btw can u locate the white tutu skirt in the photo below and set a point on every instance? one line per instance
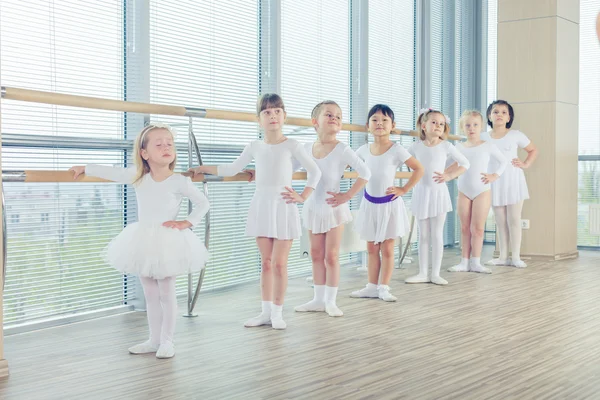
(154, 251)
(321, 218)
(270, 216)
(430, 201)
(379, 222)
(510, 188)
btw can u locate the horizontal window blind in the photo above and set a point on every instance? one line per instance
(315, 66)
(207, 55)
(589, 121)
(56, 231)
(391, 66)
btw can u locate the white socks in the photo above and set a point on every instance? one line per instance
(144, 348)
(161, 311)
(463, 266)
(508, 225)
(384, 293)
(431, 235)
(324, 300)
(271, 314)
(317, 304)
(166, 350)
(477, 267)
(264, 318)
(277, 317)
(368, 291)
(330, 307)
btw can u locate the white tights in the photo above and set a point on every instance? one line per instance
(161, 308)
(431, 233)
(508, 224)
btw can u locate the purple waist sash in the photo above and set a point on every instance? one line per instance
(379, 200)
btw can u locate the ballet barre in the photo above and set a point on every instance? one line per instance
(38, 96)
(39, 176)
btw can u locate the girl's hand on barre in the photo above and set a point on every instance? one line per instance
(337, 199)
(181, 225)
(252, 174)
(291, 196)
(77, 170)
(397, 191)
(202, 169)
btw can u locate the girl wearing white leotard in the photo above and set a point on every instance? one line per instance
(382, 216)
(326, 211)
(474, 196)
(273, 218)
(156, 248)
(508, 192)
(431, 198)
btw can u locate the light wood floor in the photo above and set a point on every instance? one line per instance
(516, 334)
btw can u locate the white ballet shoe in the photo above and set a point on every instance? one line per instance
(262, 319)
(459, 268)
(278, 323)
(438, 280)
(333, 310)
(418, 279)
(366, 292)
(166, 350)
(518, 264)
(481, 269)
(311, 306)
(144, 348)
(384, 293)
(498, 262)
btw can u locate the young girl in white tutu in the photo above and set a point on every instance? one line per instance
(382, 217)
(326, 211)
(273, 218)
(508, 192)
(157, 248)
(431, 198)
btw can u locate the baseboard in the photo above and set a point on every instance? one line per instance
(3, 368)
(545, 257)
(65, 319)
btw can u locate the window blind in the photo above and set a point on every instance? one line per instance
(392, 58)
(207, 55)
(315, 66)
(589, 121)
(56, 231)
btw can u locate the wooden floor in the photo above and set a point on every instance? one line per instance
(516, 334)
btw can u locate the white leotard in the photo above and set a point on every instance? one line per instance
(269, 214)
(511, 188)
(430, 198)
(479, 157)
(317, 215)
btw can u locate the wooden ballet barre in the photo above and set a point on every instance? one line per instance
(38, 176)
(38, 96)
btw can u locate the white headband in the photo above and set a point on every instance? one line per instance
(427, 110)
(156, 125)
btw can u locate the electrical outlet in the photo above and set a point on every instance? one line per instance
(524, 224)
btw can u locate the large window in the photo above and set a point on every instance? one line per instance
(198, 54)
(392, 65)
(208, 56)
(56, 232)
(315, 66)
(589, 121)
(453, 66)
